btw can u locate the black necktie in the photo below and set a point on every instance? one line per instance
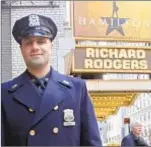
(41, 85)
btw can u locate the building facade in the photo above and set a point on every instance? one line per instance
(114, 129)
(141, 110)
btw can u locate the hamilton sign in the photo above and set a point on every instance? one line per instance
(111, 20)
(104, 59)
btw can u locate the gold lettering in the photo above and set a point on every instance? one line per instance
(113, 53)
(97, 53)
(122, 53)
(88, 63)
(141, 54)
(143, 64)
(90, 53)
(104, 53)
(108, 63)
(98, 63)
(134, 64)
(92, 21)
(132, 54)
(117, 64)
(106, 58)
(126, 64)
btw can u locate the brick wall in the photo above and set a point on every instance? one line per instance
(6, 60)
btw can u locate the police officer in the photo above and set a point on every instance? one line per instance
(42, 107)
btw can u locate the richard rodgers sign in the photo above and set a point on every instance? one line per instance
(125, 60)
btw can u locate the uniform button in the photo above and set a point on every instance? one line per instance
(31, 110)
(56, 108)
(55, 130)
(32, 132)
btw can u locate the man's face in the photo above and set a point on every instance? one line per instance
(36, 51)
(137, 130)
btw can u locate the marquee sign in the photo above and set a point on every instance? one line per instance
(104, 59)
(112, 20)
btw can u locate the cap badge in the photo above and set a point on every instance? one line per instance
(34, 20)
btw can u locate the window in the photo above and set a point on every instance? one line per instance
(141, 117)
(145, 116)
(149, 116)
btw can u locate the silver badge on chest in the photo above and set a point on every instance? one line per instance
(34, 20)
(68, 117)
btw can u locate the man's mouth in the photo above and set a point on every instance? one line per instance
(33, 55)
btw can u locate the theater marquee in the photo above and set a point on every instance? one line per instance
(112, 20)
(119, 60)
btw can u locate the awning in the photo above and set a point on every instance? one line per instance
(106, 104)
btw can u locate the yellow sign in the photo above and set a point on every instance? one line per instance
(112, 20)
(94, 60)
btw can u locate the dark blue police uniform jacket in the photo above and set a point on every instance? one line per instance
(31, 120)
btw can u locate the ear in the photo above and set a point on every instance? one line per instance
(51, 43)
(20, 47)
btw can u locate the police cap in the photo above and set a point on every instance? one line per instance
(34, 25)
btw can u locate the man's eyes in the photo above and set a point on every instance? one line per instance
(38, 42)
(41, 41)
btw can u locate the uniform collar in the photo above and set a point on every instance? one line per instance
(53, 75)
(32, 77)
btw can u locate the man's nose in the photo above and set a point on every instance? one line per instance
(35, 45)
